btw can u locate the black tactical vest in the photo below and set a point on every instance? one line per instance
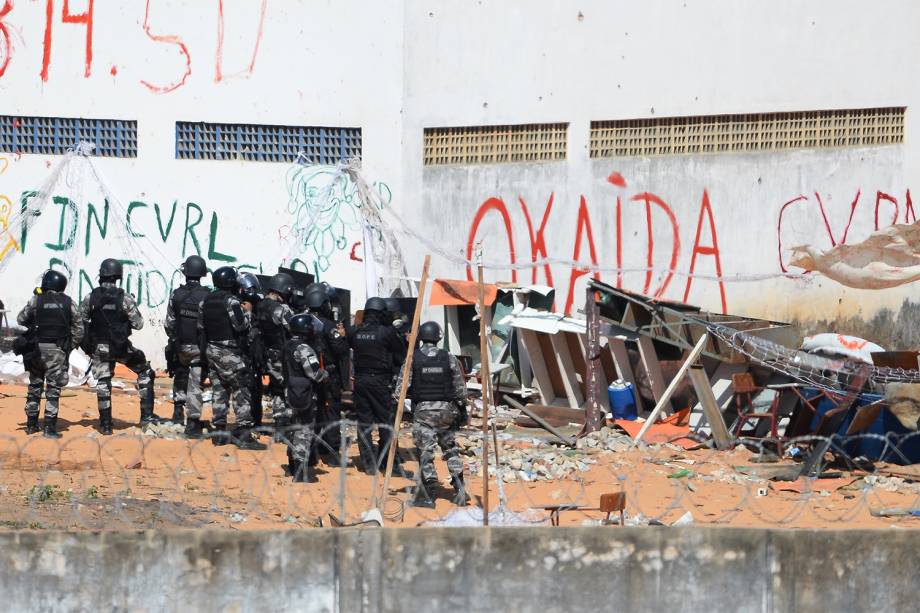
(108, 322)
(53, 318)
(431, 377)
(298, 386)
(273, 335)
(370, 354)
(217, 324)
(185, 301)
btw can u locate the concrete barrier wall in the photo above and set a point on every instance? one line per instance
(506, 569)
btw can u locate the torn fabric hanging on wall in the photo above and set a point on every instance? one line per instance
(888, 258)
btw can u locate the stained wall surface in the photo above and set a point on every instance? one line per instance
(395, 68)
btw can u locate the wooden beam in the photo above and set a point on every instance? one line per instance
(652, 368)
(711, 409)
(569, 381)
(542, 379)
(485, 356)
(404, 386)
(697, 350)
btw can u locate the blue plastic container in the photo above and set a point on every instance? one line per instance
(622, 401)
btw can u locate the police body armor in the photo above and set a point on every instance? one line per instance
(109, 324)
(432, 379)
(299, 386)
(273, 336)
(185, 301)
(370, 355)
(217, 324)
(53, 318)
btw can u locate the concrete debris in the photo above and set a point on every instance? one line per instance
(165, 429)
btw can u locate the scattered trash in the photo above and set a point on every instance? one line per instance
(684, 520)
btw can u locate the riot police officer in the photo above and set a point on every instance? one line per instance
(223, 326)
(331, 346)
(109, 314)
(272, 315)
(374, 345)
(54, 323)
(250, 294)
(183, 357)
(302, 371)
(438, 396)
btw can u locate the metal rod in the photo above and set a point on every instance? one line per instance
(404, 386)
(484, 375)
(568, 440)
(592, 362)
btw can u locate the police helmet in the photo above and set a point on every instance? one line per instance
(53, 280)
(110, 269)
(225, 277)
(316, 296)
(194, 267)
(430, 332)
(305, 325)
(249, 285)
(393, 305)
(282, 284)
(375, 304)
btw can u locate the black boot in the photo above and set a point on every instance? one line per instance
(51, 427)
(281, 429)
(32, 424)
(302, 472)
(193, 428)
(178, 416)
(461, 499)
(105, 421)
(421, 497)
(244, 438)
(147, 416)
(220, 435)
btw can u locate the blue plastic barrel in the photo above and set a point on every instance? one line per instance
(622, 401)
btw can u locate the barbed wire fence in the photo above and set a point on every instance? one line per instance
(139, 480)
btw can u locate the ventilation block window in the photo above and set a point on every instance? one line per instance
(56, 135)
(747, 133)
(495, 144)
(263, 143)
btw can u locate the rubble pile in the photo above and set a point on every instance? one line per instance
(530, 459)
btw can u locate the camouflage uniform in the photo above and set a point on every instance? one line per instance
(301, 402)
(49, 368)
(279, 315)
(435, 422)
(103, 361)
(228, 368)
(187, 376)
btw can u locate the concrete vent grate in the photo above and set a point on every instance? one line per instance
(58, 135)
(495, 144)
(747, 133)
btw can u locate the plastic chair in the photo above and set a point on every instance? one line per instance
(744, 387)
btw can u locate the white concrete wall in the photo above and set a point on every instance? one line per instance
(395, 67)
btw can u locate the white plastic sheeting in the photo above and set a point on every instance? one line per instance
(888, 258)
(12, 370)
(842, 345)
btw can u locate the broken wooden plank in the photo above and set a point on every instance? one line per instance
(542, 379)
(666, 397)
(704, 392)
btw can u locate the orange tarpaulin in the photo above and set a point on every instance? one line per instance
(452, 292)
(672, 429)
